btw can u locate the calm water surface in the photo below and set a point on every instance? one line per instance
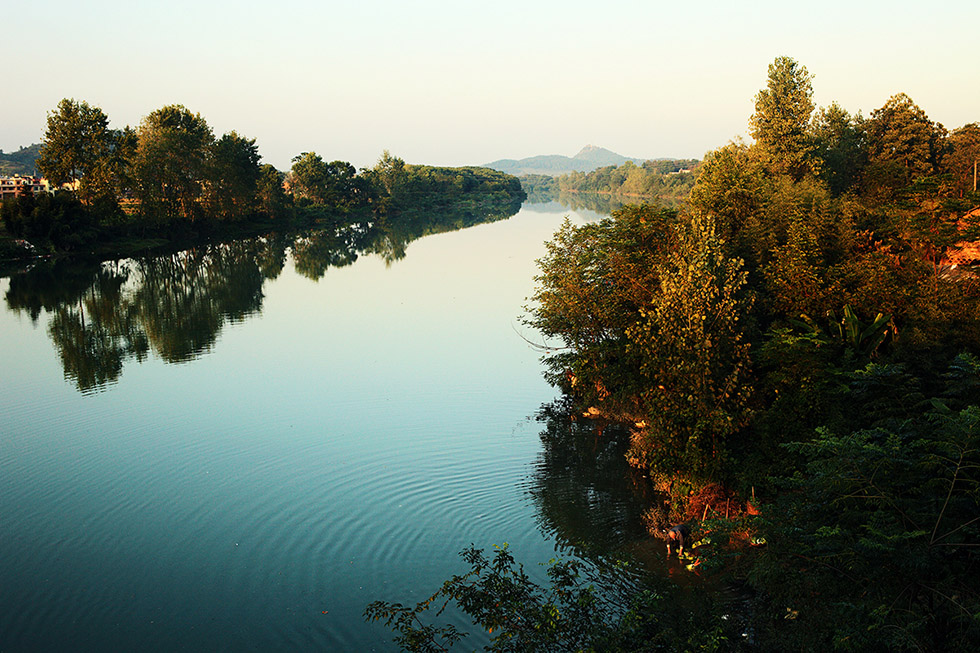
(238, 448)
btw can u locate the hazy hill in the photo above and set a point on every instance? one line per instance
(20, 162)
(588, 159)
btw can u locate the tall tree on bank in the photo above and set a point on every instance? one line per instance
(693, 357)
(77, 147)
(840, 144)
(903, 143)
(233, 175)
(782, 116)
(172, 162)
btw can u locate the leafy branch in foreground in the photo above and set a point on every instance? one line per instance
(498, 594)
(570, 614)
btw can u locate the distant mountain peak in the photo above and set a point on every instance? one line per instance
(591, 152)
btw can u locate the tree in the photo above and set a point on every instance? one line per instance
(334, 184)
(171, 161)
(272, 198)
(233, 175)
(782, 115)
(693, 357)
(308, 177)
(839, 143)
(961, 161)
(593, 282)
(77, 148)
(388, 177)
(732, 187)
(576, 611)
(872, 545)
(902, 142)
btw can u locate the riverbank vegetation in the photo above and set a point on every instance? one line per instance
(172, 181)
(795, 357)
(667, 181)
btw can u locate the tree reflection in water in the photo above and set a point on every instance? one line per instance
(588, 497)
(104, 314)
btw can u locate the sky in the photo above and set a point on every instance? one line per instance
(464, 83)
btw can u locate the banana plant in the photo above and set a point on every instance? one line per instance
(862, 338)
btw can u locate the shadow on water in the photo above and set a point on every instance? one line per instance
(588, 498)
(592, 502)
(104, 314)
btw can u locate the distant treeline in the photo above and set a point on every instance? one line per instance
(172, 179)
(663, 179)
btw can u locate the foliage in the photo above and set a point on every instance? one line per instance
(873, 541)
(402, 187)
(57, 220)
(839, 144)
(651, 316)
(693, 357)
(270, 195)
(572, 613)
(333, 184)
(171, 162)
(232, 177)
(902, 141)
(594, 280)
(782, 116)
(960, 160)
(665, 180)
(76, 143)
(732, 188)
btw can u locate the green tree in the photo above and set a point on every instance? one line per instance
(171, 163)
(962, 159)
(839, 144)
(872, 544)
(594, 280)
(388, 177)
(693, 357)
(333, 184)
(77, 142)
(902, 142)
(782, 116)
(233, 175)
(272, 198)
(308, 177)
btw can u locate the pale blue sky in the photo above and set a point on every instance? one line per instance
(457, 83)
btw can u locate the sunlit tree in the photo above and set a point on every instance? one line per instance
(902, 139)
(172, 161)
(782, 115)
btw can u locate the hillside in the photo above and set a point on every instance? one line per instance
(20, 162)
(588, 159)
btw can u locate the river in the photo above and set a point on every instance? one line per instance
(239, 447)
